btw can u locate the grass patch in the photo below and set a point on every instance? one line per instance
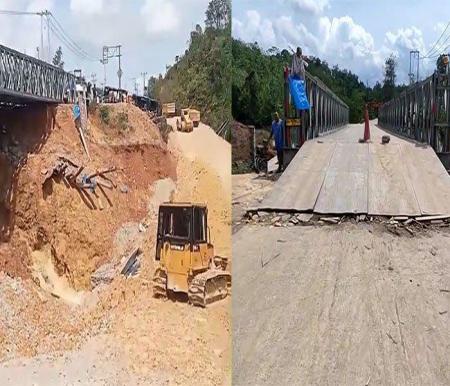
(105, 115)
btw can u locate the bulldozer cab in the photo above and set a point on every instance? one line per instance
(182, 246)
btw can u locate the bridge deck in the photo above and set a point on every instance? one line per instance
(335, 174)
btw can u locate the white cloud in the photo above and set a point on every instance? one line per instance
(400, 43)
(339, 40)
(255, 29)
(89, 7)
(310, 6)
(161, 16)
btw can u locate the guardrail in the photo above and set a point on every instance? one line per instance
(422, 112)
(23, 77)
(327, 113)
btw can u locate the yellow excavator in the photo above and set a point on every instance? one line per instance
(185, 256)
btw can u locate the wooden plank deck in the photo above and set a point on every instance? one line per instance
(336, 174)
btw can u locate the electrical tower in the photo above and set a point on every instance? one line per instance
(113, 52)
(414, 59)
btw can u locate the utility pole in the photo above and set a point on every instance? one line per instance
(113, 52)
(47, 13)
(414, 59)
(42, 34)
(143, 87)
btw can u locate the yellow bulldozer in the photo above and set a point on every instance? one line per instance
(185, 124)
(185, 256)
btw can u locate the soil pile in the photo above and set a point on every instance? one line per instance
(54, 219)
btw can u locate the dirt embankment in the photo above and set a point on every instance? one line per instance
(53, 218)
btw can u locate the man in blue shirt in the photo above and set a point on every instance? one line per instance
(277, 134)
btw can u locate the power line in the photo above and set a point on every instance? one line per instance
(437, 41)
(68, 44)
(58, 30)
(68, 38)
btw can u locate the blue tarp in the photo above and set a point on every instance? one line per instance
(297, 89)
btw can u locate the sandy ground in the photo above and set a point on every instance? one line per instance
(348, 304)
(119, 334)
(248, 191)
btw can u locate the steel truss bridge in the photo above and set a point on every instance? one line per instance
(327, 114)
(422, 113)
(24, 79)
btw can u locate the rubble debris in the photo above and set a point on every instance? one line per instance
(105, 274)
(385, 139)
(331, 220)
(76, 176)
(304, 217)
(133, 264)
(431, 218)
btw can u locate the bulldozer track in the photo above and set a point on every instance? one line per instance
(160, 284)
(209, 287)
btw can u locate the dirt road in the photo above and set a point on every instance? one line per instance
(347, 304)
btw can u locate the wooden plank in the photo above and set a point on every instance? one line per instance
(343, 192)
(299, 186)
(430, 218)
(298, 194)
(429, 179)
(390, 191)
(345, 186)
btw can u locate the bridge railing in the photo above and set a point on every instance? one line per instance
(25, 77)
(422, 112)
(326, 114)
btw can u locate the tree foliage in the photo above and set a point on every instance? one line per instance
(201, 78)
(218, 14)
(257, 84)
(57, 59)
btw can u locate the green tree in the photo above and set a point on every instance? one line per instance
(389, 78)
(218, 14)
(205, 83)
(57, 59)
(151, 85)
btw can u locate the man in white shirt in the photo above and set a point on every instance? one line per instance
(298, 64)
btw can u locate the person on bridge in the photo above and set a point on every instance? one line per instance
(277, 134)
(298, 64)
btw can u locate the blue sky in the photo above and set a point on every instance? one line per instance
(354, 34)
(152, 32)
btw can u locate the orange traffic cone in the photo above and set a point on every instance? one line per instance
(366, 125)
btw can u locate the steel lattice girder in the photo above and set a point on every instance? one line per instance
(27, 78)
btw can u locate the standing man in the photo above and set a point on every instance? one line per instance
(298, 64)
(277, 134)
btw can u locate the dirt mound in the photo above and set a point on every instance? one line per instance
(55, 219)
(204, 175)
(242, 144)
(116, 123)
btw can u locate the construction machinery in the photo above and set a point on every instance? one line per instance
(185, 256)
(194, 115)
(185, 124)
(169, 109)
